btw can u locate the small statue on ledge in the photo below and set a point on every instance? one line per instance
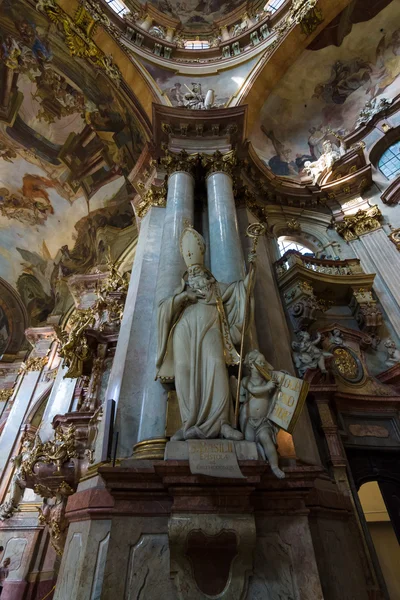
(194, 99)
(306, 355)
(256, 398)
(336, 337)
(326, 160)
(393, 354)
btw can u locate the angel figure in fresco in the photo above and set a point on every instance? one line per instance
(256, 398)
(346, 77)
(387, 64)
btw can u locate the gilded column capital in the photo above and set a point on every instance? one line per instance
(220, 163)
(364, 221)
(181, 161)
(155, 196)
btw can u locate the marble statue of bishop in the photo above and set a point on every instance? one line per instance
(198, 328)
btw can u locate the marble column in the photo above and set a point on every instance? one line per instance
(227, 261)
(157, 271)
(273, 338)
(180, 208)
(129, 384)
(379, 255)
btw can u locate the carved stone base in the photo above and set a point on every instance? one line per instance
(174, 535)
(211, 555)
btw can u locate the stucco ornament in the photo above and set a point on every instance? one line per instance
(325, 161)
(198, 328)
(372, 107)
(307, 355)
(256, 398)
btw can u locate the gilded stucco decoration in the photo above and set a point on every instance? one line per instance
(305, 13)
(155, 196)
(180, 161)
(105, 314)
(36, 363)
(395, 238)
(77, 33)
(218, 162)
(56, 451)
(364, 221)
(6, 394)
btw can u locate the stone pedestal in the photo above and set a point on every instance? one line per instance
(156, 531)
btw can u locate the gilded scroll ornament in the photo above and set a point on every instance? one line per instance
(106, 312)
(156, 196)
(364, 221)
(57, 451)
(34, 364)
(395, 238)
(6, 394)
(305, 13)
(77, 34)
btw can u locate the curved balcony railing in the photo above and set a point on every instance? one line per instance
(156, 38)
(318, 265)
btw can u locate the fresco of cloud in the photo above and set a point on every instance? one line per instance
(335, 85)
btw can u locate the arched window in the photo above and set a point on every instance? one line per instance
(286, 243)
(389, 162)
(273, 5)
(118, 7)
(197, 44)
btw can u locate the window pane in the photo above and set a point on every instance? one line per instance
(273, 5)
(389, 163)
(286, 244)
(117, 6)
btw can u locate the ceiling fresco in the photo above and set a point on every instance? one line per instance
(196, 15)
(225, 84)
(67, 142)
(325, 91)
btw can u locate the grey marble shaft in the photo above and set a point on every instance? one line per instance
(226, 255)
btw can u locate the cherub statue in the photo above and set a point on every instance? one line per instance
(336, 337)
(256, 398)
(393, 354)
(306, 355)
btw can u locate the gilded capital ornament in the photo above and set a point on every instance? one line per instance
(364, 221)
(6, 394)
(181, 161)
(155, 196)
(220, 163)
(34, 364)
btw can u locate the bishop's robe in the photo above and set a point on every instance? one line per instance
(195, 345)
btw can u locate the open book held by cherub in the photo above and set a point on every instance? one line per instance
(256, 404)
